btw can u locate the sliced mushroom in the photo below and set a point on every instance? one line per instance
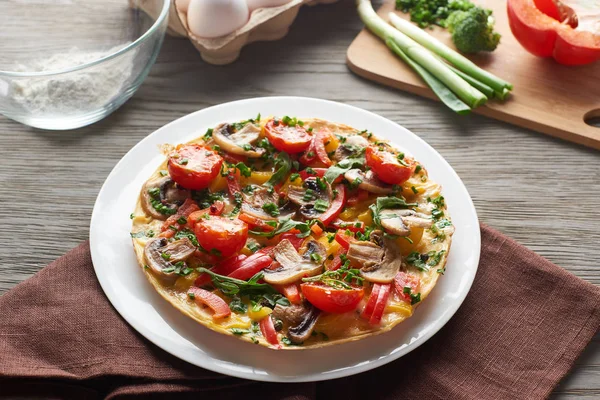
(352, 144)
(306, 196)
(387, 269)
(170, 195)
(292, 314)
(239, 142)
(366, 254)
(302, 331)
(160, 254)
(292, 265)
(313, 247)
(253, 205)
(368, 181)
(398, 222)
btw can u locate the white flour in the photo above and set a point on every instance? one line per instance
(73, 92)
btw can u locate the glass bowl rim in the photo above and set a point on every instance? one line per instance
(159, 20)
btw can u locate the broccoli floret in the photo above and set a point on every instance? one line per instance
(473, 30)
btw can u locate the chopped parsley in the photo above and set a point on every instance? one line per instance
(244, 169)
(186, 233)
(321, 205)
(237, 306)
(424, 261)
(339, 279)
(182, 220)
(208, 134)
(271, 209)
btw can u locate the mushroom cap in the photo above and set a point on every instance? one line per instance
(171, 195)
(234, 142)
(292, 267)
(161, 254)
(368, 181)
(351, 145)
(379, 264)
(399, 221)
(303, 330)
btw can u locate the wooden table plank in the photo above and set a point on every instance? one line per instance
(541, 191)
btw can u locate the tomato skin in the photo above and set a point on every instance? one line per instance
(404, 279)
(387, 168)
(224, 235)
(291, 139)
(267, 328)
(201, 167)
(332, 300)
(536, 25)
(214, 302)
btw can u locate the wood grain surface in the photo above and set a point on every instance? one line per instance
(541, 191)
(548, 97)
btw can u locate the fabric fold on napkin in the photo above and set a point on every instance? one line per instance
(519, 331)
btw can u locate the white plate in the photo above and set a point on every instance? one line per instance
(134, 298)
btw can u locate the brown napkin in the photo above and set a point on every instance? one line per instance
(519, 331)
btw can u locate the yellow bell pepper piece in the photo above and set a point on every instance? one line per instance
(366, 218)
(219, 184)
(406, 247)
(260, 314)
(183, 283)
(258, 177)
(333, 144)
(348, 214)
(402, 308)
(236, 322)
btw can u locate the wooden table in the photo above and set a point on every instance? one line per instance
(541, 191)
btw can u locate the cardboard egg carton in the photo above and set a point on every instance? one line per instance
(270, 23)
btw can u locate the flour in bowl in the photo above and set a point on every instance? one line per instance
(72, 92)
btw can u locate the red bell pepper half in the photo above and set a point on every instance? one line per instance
(551, 28)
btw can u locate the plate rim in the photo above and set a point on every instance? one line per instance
(348, 371)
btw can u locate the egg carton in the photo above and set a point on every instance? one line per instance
(265, 24)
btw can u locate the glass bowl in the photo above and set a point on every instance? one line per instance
(65, 64)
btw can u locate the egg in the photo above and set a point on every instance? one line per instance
(182, 5)
(214, 18)
(254, 4)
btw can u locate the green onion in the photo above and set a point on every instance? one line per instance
(465, 92)
(458, 60)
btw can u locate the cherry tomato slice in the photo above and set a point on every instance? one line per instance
(211, 300)
(404, 279)
(291, 139)
(332, 300)
(193, 166)
(268, 330)
(387, 167)
(221, 236)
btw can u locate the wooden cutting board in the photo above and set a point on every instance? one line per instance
(547, 97)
